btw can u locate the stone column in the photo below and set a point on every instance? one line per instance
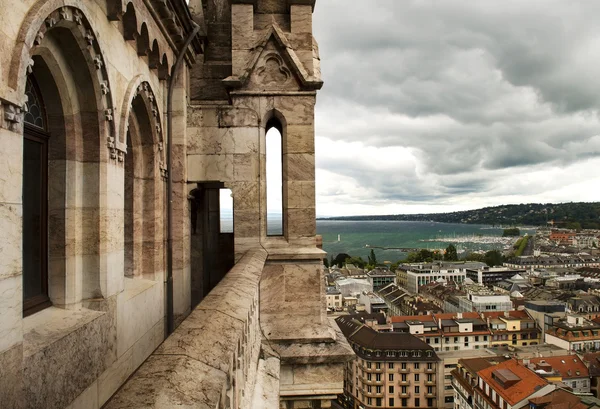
(11, 289)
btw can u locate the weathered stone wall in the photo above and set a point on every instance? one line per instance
(91, 59)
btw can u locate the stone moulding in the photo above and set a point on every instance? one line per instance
(11, 116)
(140, 86)
(307, 81)
(40, 19)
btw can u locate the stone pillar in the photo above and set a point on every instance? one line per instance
(11, 289)
(181, 211)
(273, 79)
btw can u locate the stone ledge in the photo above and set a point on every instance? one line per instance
(335, 351)
(52, 324)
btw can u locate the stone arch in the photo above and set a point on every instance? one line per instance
(143, 187)
(163, 69)
(154, 56)
(114, 9)
(142, 88)
(143, 41)
(130, 23)
(274, 119)
(70, 15)
(65, 59)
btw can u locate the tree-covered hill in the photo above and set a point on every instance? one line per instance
(568, 215)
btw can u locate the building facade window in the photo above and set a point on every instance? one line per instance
(35, 202)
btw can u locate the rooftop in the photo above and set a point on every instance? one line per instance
(569, 366)
(520, 382)
(366, 341)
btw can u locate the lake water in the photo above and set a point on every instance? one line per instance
(355, 235)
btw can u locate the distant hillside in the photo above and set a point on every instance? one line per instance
(569, 215)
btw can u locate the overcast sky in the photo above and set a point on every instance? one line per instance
(432, 106)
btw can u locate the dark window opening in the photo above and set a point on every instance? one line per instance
(35, 203)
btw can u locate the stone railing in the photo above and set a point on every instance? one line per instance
(212, 360)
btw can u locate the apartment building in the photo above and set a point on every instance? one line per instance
(470, 330)
(465, 379)
(515, 328)
(567, 370)
(334, 298)
(508, 385)
(574, 333)
(391, 370)
(533, 262)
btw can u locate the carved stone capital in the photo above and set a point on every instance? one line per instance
(12, 117)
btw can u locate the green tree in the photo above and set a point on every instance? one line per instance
(451, 254)
(475, 257)
(512, 232)
(493, 258)
(340, 259)
(372, 258)
(357, 261)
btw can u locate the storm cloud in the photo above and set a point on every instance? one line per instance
(450, 105)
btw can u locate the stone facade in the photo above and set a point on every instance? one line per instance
(83, 123)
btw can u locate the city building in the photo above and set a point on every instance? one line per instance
(481, 299)
(465, 379)
(544, 312)
(121, 121)
(574, 333)
(391, 370)
(470, 330)
(508, 384)
(562, 238)
(334, 298)
(542, 261)
(566, 370)
(489, 276)
(352, 286)
(592, 361)
(514, 328)
(372, 302)
(413, 276)
(395, 298)
(560, 399)
(380, 277)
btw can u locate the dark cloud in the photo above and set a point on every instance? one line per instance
(472, 88)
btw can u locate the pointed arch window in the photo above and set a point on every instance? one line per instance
(35, 112)
(35, 202)
(274, 177)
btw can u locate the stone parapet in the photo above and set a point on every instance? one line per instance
(212, 358)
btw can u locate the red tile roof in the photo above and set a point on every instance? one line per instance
(567, 365)
(528, 382)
